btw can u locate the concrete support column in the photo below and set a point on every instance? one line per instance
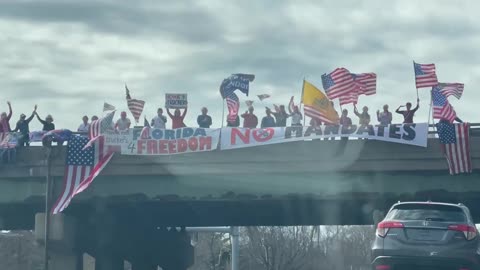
(65, 260)
(108, 262)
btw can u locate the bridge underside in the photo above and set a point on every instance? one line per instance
(244, 200)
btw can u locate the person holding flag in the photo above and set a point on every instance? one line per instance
(409, 113)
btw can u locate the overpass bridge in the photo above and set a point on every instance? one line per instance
(300, 183)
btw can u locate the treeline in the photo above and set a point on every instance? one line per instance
(261, 248)
(289, 248)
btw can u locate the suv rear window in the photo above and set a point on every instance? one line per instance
(432, 212)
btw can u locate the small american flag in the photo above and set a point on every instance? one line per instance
(82, 166)
(134, 105)
(366, 82)
(101, 125)
(451, 89)
(233, 105)
(339, 83)
(249, 103)
(441, 107)
(263, 96)
(291, 105)
(425, 75)
(454, 140)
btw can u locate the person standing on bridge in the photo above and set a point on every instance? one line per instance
(296, 117)
(364, 117)
(204, 120)
(409, 113)
(23, 127)
(250, 120)
(5, 119)
(160, 120)
(177, 118)
(123, 123)
(47, 123)
(280, 116)
(84, 126)
(385, 117)
(268, 121)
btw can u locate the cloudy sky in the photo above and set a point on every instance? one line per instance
(71, 56)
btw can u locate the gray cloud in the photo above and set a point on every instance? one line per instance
(71, 56)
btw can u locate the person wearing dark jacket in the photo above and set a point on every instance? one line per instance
(23, 127)
(47, 123)
(204, 120)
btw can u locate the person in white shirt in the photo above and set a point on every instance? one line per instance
(85, 126)
(123, 123)
(296, 117)
(159, 120)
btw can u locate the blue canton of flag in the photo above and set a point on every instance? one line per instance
(446, 133)
(438, 98)
(78, 157)
(327, 81)
(418, 69)
(234, 82)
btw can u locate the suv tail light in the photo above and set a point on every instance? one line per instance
(385, 226)
(470, 232)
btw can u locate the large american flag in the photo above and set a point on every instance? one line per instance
(339, 83)
(366, 82)
(134, 105)
(441, 107)
(425, 75)
(82, 166)
(233, 105)
(451, 89)
(454, 140)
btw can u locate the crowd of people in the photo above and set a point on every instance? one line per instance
(276, 118)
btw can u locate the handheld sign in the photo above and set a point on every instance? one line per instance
(176, 101)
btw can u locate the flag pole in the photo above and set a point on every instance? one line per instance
(430, 110)
(223, 112)
(303, 106)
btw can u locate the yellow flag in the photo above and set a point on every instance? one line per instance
(317, 105)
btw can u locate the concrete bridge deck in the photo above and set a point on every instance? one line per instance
(315, 175)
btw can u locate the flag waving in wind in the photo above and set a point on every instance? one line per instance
(366, 82)
(339, 83)
(134, 105)
(227, 90)
(108, 107)
(263, 96)
(317, 105)
(454, 140)
(82, 166)
(450, 89)
(441, 107)
(425, 75)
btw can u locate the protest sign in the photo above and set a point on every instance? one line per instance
(176, 101)
(412, 134)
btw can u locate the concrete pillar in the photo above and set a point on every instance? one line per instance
(65, 260)
(108, 262)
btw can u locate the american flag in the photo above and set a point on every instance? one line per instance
(134, 105)
(233, 105)
(425, 75)
(101, 125)
(366, 82)
(263, 96)
(350, 98)
(451, 89)
(82, 166)
(454, 140)
(291, 105)
(339, 83)
(8, 140)
(441, 107)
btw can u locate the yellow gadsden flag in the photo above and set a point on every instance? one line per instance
(317, 105)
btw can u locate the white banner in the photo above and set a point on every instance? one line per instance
(174, 101)
(152, 141)
(412, 134)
